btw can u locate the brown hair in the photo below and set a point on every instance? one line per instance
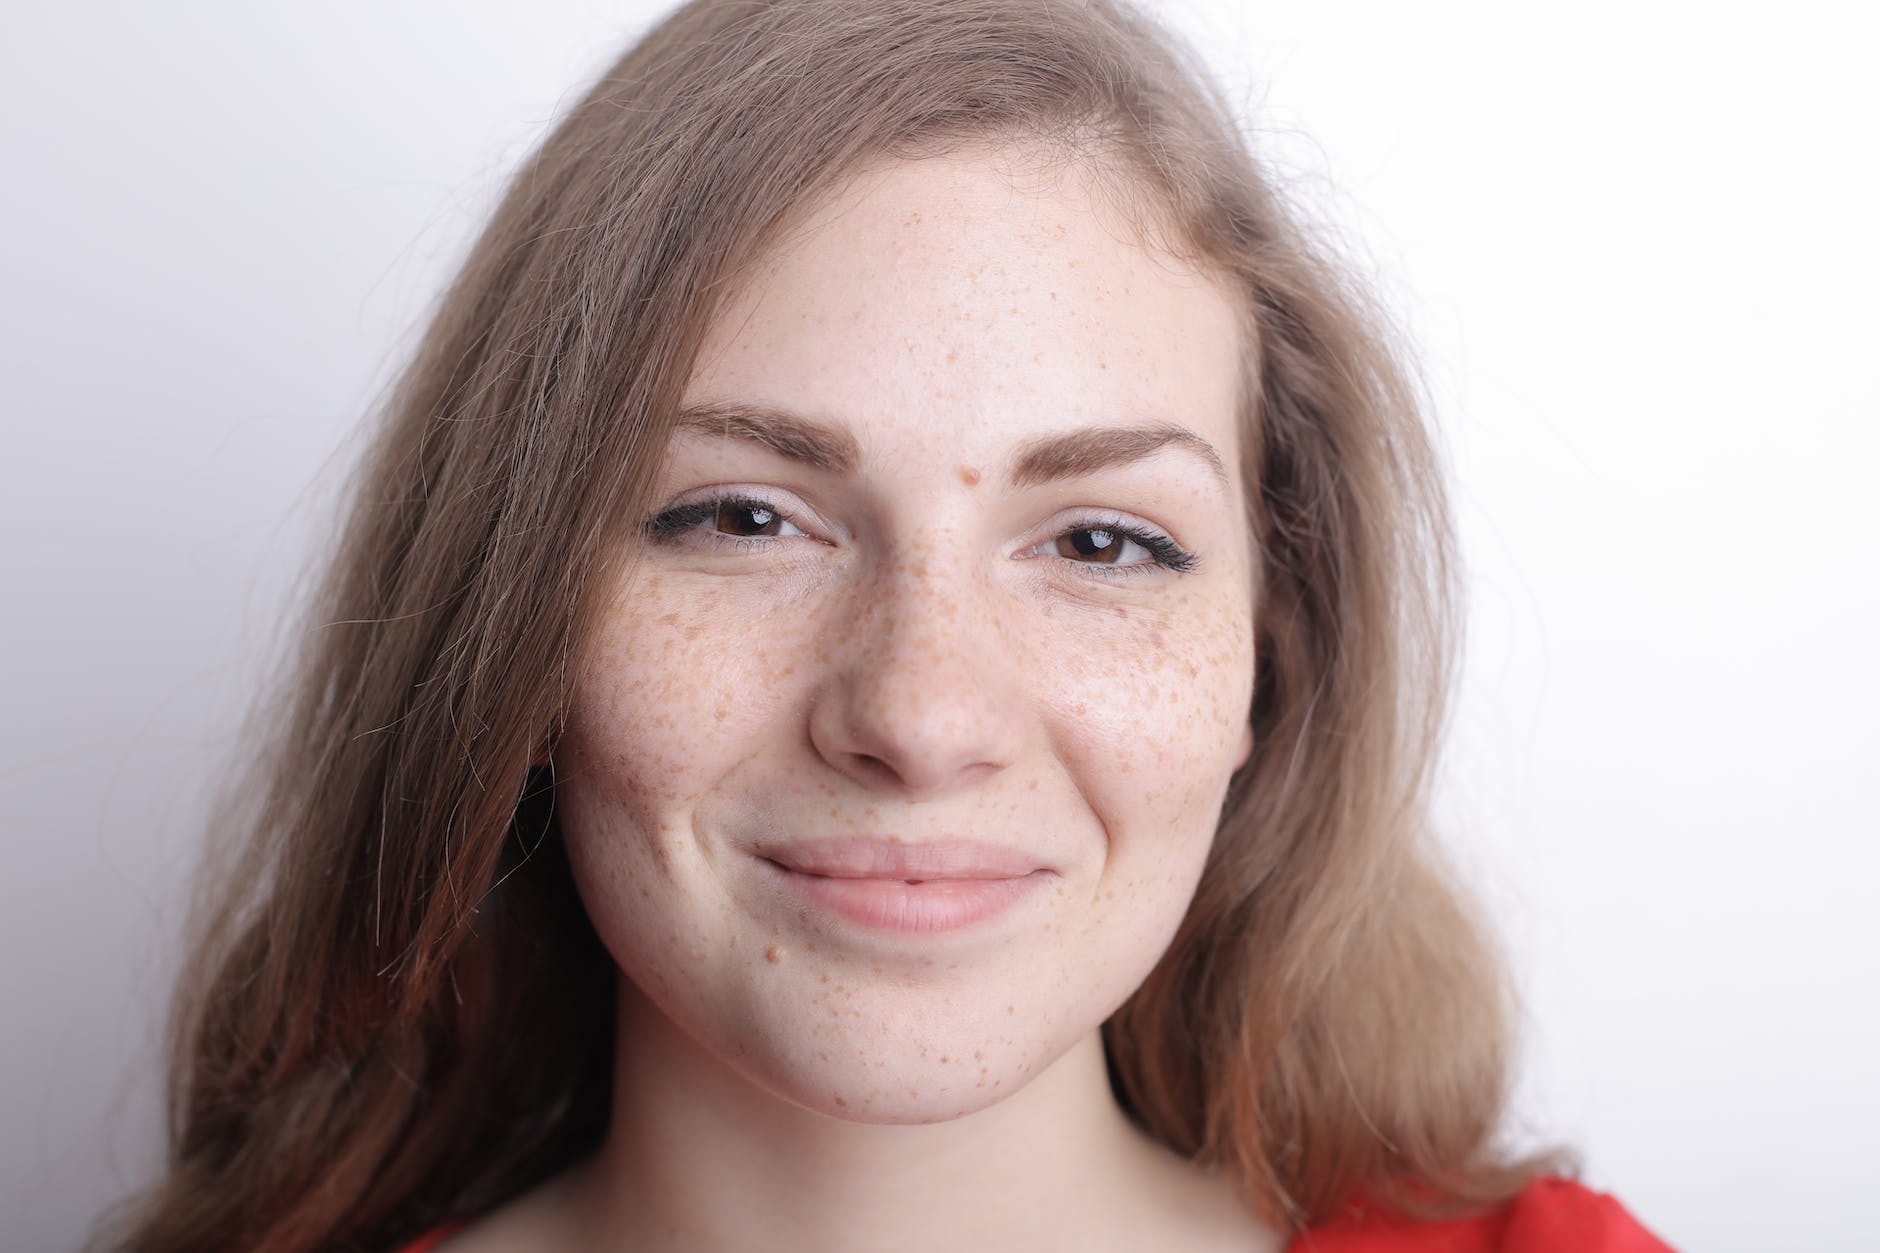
(398, 1013)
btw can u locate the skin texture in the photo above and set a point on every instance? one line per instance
(914, 648)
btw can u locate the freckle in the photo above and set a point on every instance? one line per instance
(969, 475)
(824, 1056)
(841, 1102)
(773, 954)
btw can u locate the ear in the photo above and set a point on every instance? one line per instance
(1246, 745)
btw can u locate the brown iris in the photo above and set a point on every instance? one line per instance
(1089, 541)
(735, 518)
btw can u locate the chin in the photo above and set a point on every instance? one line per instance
(910, 1095)
(903, 1069)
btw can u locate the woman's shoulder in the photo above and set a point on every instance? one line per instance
(1548, 1216)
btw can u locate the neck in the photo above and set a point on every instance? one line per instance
(698, 1157)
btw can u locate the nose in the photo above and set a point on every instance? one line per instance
(924, 694)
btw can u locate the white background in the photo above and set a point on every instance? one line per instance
(1634, 242)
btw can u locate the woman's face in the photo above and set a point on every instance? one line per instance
(894, 765)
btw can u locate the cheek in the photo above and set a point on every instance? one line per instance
(1156, 707)
(665, 709)
(680, 685)
(674, 700)
(1158, 728)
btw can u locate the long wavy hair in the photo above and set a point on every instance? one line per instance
(397, 1013)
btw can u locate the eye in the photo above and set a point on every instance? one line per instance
(750, 518)
(1100, 544)
(1116, 547)
(729, 519)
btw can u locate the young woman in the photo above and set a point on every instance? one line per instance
(877, 693)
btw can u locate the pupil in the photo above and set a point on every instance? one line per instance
(1093, 542)
(736, 519)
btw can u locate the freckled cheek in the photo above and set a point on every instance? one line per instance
(1163, 715)
(682, 684)
(1165, 696)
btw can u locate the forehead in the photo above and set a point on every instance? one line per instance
(974, 300)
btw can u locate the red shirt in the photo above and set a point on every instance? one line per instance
(1548, 1216)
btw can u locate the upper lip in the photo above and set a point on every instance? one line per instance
(871, 857)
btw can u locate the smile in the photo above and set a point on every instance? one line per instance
(913, 888)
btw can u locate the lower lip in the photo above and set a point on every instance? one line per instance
(919, 908)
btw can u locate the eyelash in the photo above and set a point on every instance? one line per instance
(1164, 553)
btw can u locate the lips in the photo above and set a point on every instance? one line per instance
(864, 857)
(920, 888)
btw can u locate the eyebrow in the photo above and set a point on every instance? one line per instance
(1077, 453)
(1046, 459)
(799, 439)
